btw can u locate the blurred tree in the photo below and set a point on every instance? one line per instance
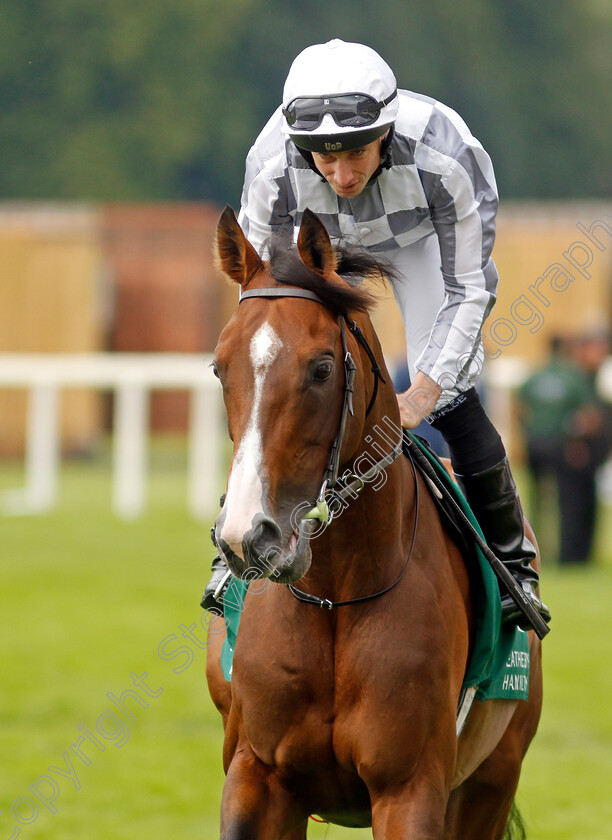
(112, 100)
(153, 99)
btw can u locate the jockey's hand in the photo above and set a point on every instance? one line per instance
(418, 401)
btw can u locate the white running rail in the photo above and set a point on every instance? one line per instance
(131, 377)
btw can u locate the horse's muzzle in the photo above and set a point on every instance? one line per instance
(261, 545)
(263, 554)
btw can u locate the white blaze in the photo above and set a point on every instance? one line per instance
(245, 490)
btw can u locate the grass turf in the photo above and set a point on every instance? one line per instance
(87, 600)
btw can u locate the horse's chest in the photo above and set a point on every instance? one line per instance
(298, 712)
(308, 702)
(296, 733)
(287, 711)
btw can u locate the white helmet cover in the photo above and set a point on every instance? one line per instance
(334, 68)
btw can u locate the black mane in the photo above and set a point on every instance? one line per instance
(353, 265)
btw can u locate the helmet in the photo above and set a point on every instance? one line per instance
(338, 96)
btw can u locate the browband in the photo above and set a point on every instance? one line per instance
(294, 293)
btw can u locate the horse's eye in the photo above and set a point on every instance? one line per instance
(215, 370)
(323, 370)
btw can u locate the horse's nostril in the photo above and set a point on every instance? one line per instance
(263, 538)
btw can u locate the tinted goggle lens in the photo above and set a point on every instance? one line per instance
(350, 110)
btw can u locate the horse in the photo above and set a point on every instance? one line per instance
(357, 628)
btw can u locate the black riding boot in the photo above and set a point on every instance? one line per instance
(212, 599)
(493, 497)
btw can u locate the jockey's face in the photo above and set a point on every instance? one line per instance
(347, 173)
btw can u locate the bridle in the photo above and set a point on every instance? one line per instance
(331, 480)
(349, 485)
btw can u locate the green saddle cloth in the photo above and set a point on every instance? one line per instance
(499, 663)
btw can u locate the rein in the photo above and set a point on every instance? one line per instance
(307, 598)
(321, 509)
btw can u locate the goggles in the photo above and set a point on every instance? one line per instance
(349, 110)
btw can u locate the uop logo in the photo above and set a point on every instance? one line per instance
(334, 147)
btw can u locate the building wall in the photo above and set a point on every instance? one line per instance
(51, 301)
(167, 293)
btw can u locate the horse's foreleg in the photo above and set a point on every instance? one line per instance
(255, 806)
(298, 833)
(409, 812)
(220, 690)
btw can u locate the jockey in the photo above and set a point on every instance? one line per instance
(401, 175)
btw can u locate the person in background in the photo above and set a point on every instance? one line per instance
(561, 422)
(584, 453)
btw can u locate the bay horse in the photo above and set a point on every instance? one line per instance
(346, 712)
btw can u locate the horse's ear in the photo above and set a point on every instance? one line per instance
(314, 246)
(237, 257)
